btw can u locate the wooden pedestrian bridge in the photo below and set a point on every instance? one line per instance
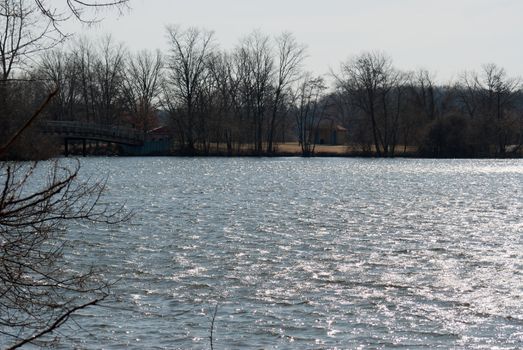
(82, 131)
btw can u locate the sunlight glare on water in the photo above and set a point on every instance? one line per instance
(308, 254)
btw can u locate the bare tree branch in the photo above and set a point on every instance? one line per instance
(35, 115)
(57, 323)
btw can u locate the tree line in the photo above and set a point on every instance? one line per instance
(258, 95)
(478, 115)
(209, 96)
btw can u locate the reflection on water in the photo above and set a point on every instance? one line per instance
(309, 254)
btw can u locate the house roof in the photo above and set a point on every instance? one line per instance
(161, 130)
(331, 124)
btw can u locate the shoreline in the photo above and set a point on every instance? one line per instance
(280, 155)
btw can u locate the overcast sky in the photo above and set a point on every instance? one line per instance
(444, 36)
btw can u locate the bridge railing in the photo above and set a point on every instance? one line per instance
(73, 129)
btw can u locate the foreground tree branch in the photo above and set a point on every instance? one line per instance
(61, 320)
(30, 121)
(38, 290)
(39, 202)
(77, 9)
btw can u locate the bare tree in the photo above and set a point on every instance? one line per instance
(241, 97)
(186, 71)
(256, 66)
(108, 72)
(22, 34)
(85, 58)
(234, 86)
(423, 91)
(84, 11)
(226, 123)
(60, 69)
(489, 100)
(290, 57)
(310, 107)
(28, 27)
(498, 93)
(142, 86)
(466, 91)
(90, 80)
(378, 90)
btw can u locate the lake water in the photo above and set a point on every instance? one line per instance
(308, 254)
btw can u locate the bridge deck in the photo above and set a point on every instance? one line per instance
(97, 132)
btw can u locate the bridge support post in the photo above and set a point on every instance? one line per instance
(66, 147)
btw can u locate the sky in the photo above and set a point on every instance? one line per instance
(446, 37)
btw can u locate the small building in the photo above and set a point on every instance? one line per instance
(330, 132)
(158, 141)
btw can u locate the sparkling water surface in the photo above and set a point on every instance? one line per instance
(320, 253)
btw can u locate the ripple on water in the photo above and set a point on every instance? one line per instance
(308, 254)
